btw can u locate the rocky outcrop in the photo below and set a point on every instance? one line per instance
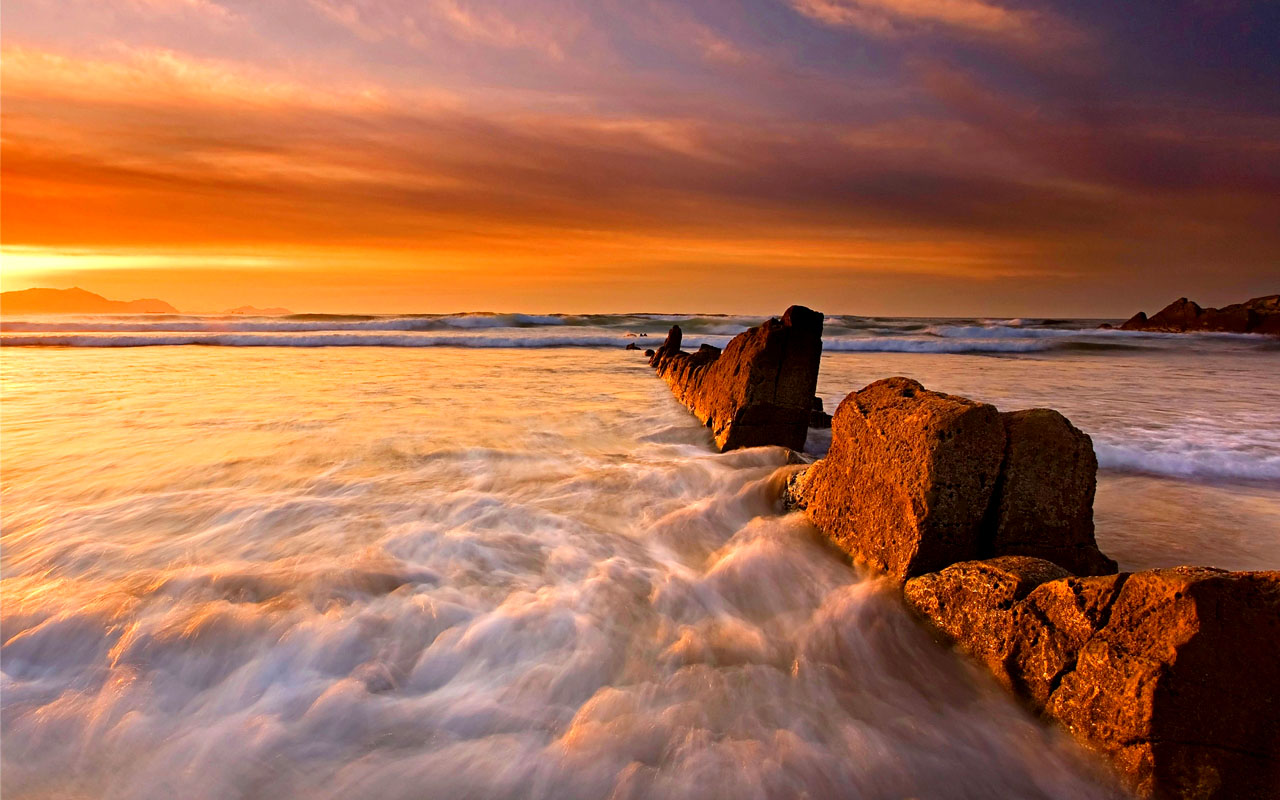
(916, 480)
(1259, 315)
(759, 390)
(908, 478)
(1170, 673)
(986, 518)
(1043, 503)
(819, 418)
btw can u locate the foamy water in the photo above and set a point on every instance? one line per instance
(448, 572)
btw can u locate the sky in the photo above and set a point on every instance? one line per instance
(880, 157)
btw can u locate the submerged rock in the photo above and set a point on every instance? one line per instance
(1259, 315)
(1170, 673)
(759, 390)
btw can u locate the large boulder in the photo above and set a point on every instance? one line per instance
(908, 478)
(916, 480)
(1259, 315)
(1043, 504)
(759, 390)
(1169, 673)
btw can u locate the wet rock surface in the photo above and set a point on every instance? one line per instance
(759, 390)
(1259, 315)
(1170, 673)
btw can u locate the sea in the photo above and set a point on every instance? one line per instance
(490, 556)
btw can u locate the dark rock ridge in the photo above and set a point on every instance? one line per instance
(917, 480)
(1170, 673)
(1259, 315)
(759, 390)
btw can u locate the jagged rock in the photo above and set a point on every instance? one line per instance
(632, 346)
(1259, 315)
(908, 478)
(1043, 503)
(759, 390)
(1170, 673)
(916, 480)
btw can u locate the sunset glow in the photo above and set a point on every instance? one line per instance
(544, 155)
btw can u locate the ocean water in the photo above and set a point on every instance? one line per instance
(489, 556)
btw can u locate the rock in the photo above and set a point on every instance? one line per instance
(917, 480)
(759, 390)
(1043, 503)
(817, 417)
(1259, 315)
(906, 484)
(648, 354)
(1169, 673)
(632, 346)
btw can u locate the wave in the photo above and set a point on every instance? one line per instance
(905, 345)
(315, 340)
(1190, 463)
(490, 339)
(297, 323)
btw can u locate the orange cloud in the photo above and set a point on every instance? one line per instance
(973, 17)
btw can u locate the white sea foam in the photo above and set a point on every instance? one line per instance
(889, 344)
(296, 586)
(1192, 461)
(315, 340)
(528, 339)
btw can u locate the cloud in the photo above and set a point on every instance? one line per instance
(418, 24)
(893, 18)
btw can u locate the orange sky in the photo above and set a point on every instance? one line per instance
(862, 156)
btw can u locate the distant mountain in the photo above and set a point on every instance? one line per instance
(76, 301)
(254, 311)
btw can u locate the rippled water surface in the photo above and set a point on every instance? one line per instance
(447, 573)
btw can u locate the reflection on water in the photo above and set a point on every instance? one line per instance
(443, 573)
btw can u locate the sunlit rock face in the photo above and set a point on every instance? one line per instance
(1170, 673)
(1043, 503)
(916, 480)
(759, 390)
(906, 483)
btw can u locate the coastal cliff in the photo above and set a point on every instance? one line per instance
(759, 390)
(1259, 315)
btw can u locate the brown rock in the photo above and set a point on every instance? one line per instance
(1259, 315)
(908, 478)
(1170, 673)
(818, 418)
(759, 390)
(1044, 500)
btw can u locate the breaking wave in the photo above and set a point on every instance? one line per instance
(1192, 462)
